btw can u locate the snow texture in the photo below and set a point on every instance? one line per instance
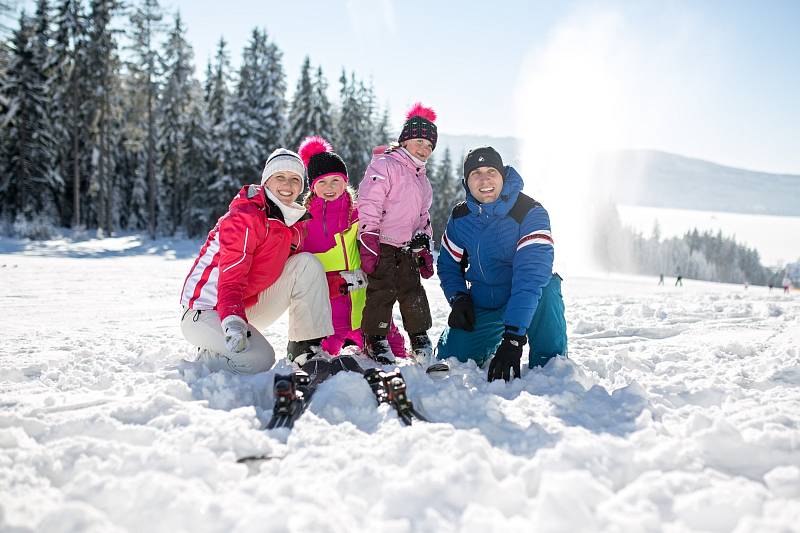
(677, 410)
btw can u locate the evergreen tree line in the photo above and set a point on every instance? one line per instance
(110, 129)
(704, 256)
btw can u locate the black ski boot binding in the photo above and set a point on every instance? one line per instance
(390, 387)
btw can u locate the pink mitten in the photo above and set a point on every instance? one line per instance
(424, 262)
(369, 247)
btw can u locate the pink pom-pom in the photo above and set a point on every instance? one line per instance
(419, 110)
(312, 146)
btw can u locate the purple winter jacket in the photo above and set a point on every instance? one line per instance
(394, 198)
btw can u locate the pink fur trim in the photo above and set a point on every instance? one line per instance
(419, 110)
(312, 146)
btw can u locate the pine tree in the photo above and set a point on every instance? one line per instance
(46, 132)
(382, 129)
(146, 30)
(257, 108)
(321, 117)
(222, 184)
(447, 192)
(104, 111)
(199, 165)
(174, 124)
(28, 183)
(302, 109)
(354, 129)
(69, 97)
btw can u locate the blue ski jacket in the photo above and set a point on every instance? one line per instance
(503, 250)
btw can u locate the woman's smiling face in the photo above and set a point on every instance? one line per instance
(285, 185)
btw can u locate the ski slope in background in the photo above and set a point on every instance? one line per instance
(678, 409)
(777, 238)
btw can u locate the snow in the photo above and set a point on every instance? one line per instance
(773, 236)
(678, 409)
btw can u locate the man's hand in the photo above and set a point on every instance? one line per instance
(235, 330)
(507, 357)
(369, 247)
(462, 315)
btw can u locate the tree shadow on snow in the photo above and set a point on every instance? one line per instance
(79, 246)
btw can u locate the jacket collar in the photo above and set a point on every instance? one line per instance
(402, 156)
(288, 214)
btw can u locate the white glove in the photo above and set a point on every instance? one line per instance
(356, 279)
(235, 333)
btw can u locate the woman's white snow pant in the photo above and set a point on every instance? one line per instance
(301, 288)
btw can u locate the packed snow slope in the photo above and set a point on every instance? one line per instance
(678, 409)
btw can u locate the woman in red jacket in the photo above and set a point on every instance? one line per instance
(248, 274)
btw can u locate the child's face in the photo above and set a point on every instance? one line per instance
(286, 186)
(419, 148)
(329, 188)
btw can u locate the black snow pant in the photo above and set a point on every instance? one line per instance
(396, 279)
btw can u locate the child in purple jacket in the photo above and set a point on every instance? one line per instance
(394, 236)
(332, 238)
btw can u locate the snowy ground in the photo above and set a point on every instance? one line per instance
(678, 410)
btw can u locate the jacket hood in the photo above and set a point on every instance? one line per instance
(512, 186)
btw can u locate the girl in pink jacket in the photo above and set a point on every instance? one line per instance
(332, 235)
(394, 234)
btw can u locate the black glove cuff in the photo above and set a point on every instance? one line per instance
(460, 297)
(516, 340)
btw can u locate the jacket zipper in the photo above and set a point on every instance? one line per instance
(324, 217)
(344, 249)
(480, 266)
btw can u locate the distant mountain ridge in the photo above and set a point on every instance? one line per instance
(660, 179)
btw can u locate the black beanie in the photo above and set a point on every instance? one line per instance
(483, 156)
(419, 125)
(325, 163)
(320, 160)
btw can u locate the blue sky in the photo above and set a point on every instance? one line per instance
(710, 79)
(716, 80)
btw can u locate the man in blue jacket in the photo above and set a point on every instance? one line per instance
(496, 269)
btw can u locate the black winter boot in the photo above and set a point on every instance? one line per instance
(299, 352)
(422, 348)
(377, 348)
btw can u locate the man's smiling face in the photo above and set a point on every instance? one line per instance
(485, 184)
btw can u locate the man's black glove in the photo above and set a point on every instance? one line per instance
(463, 314)
(507, 357)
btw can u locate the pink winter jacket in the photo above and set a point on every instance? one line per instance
(394, 197)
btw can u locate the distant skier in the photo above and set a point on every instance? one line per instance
(787, 284)
(496, 270)
(678, 278)
(661, 279)
(248, 273)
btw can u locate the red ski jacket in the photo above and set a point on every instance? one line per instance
(244, 254)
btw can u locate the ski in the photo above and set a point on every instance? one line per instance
(390, 387)
(293, 392)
